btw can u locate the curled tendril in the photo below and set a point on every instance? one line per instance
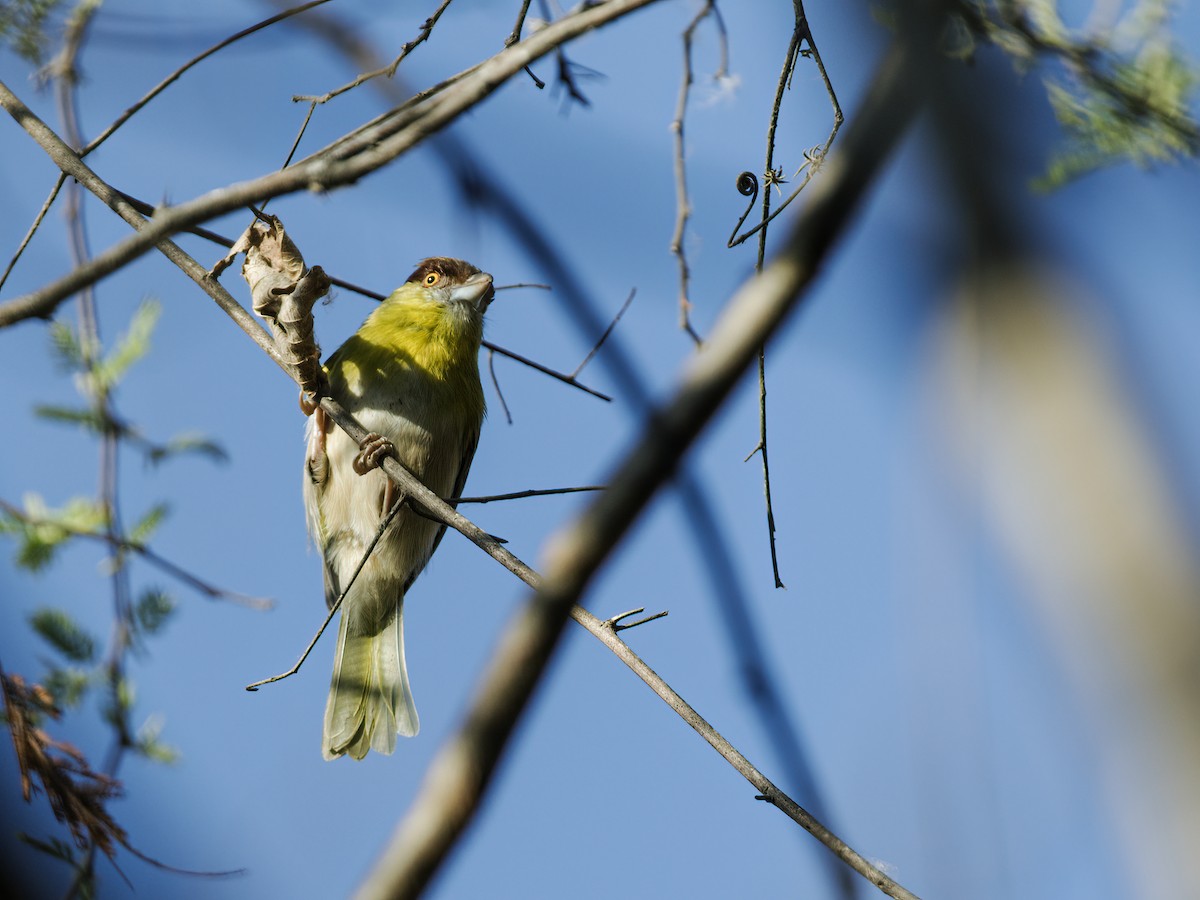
(747, 186)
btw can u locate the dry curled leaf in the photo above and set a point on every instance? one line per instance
(284, 291)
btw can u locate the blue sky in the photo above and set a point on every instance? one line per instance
(948, 737)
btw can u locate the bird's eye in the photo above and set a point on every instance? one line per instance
(432, 278)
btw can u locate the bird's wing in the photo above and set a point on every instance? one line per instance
(470, 442)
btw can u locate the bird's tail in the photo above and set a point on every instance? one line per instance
(369, 698)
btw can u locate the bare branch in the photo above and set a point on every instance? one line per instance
(747, 185)
(491, 359)
(37, 222)
(683, 207)
(337, 604)
(604, 337)
(545, 370)
(344, 162)
(615, 622)
(521, 495)
(813, 158)
(390, 69)
(194, 61)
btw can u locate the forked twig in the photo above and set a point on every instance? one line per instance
(614, 622)
(747, 185)
(390, 69)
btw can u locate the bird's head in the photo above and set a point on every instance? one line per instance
(448, 281)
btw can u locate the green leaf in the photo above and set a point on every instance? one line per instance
(153, 609)
(130, 347)
(43, 530)
(189, 442)
(90, 419)
(67, 685)
(23, 27)
(59, 630)
(52, 846)
(120, 702)
(148, 744)
(67, 346)
(35, 554)
(148, 524)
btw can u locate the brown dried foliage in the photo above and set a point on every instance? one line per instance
(77, 793)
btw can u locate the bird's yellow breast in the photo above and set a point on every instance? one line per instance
(415, 345)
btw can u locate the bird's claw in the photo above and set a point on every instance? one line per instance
(372, 450)
(308, 403)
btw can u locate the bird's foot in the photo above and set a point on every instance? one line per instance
(372, 450)
(308, 403)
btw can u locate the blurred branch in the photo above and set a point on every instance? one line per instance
(345, 161)
(459, 775)
(541, 622)
(65, 73)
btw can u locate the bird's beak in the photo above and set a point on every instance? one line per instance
(476, 290)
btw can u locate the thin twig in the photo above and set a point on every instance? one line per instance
(337, 604)
(390, 69)
(520, 24)
(565, 379)
(195, 60)
(299, 135)
(801, 35)
(491, 360)
(522, 284)
(683, 206)
(604, 337)
(516, 36)
(761, 447)
(521, 495)
(748, 185)
(614, 622)
(37, 222)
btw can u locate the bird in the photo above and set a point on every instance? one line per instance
(410, 375)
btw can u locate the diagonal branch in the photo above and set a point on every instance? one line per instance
(344, 162)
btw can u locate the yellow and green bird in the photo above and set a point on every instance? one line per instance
(410, 375)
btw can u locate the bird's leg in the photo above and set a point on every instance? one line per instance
(372, 450)
(318, 460)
